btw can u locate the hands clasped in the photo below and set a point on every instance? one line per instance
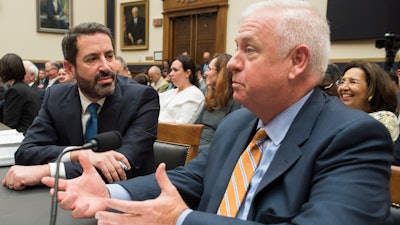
(87, 196)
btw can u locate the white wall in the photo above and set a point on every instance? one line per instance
(19, 35)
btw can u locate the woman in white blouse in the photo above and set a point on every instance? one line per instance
(183, 104)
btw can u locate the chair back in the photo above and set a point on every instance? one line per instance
(395, 186)
(177, 144)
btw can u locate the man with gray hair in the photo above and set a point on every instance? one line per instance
(291, 155)
(31, 74)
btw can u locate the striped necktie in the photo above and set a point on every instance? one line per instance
(91, 124)
(241, 176)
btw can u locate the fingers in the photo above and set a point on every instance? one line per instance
(85, 162)
(110, 218)
(163, 180)
(50, 181)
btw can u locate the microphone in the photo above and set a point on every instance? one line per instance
(101, 142)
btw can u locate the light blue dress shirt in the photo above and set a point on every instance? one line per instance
(276, 130)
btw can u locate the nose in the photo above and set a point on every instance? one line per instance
(106, 65)
(234, 64)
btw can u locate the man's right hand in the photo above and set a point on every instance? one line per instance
(19, 177)
(84, 195)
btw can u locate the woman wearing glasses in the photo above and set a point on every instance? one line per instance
(366, 86)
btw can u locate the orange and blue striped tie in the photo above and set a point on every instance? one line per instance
(241, 176)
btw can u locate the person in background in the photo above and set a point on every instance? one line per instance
(52, 68)
(21, 102)
(118, 103)
(64, 76)
(122, 67)
(182, 104)
(202, 80)
(42, 80)
(318, 161)
(156, 80)
(31, 75)
(367, 86)
(206, 61)
(142, 78)
(218, 101)
(165, 68)
(331, 80)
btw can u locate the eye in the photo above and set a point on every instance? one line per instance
(249, 50)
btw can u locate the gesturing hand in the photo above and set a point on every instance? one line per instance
(165, 209)
(84, 195)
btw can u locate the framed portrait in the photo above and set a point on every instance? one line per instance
(134, 25)
(53, 16)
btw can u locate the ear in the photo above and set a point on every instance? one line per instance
(300, 56)
(69, 68)
(188, 72)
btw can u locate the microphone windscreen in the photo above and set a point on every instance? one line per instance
(110, 140)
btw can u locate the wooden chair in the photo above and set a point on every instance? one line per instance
(395, 186)
(177, 144)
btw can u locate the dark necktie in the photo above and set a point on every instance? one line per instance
(91, 124)
(241, 176)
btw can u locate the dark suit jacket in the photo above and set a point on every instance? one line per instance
(21, 106)
(333, 167)
(132, 110)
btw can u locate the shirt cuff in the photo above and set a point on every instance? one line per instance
(118, 192)
(182, 217)
(53, 168)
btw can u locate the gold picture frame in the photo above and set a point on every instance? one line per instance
(53, 18)
(134, 30)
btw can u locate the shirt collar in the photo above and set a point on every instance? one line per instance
(279, 126)
(85, 101)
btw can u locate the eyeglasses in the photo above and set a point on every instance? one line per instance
(350, 83)
(329, 86)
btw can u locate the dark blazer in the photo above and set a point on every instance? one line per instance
(132, 110)
(21, 106)
(333, 167)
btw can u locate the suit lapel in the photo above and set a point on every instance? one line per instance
(71, 107)
(112, 107)
(299, 132)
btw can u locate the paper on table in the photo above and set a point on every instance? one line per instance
(9, 143)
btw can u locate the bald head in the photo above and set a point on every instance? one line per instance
(154, 74)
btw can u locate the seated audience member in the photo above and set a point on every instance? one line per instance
(184, 103)
(122, 67)
(367, 87)
(117, 102)
(331, 80)
(321, 161)
(64, 76)
(52, 68)
(21, 103)
(142, 78)
(165, 68)
(202, 80)
(396, 87)
(31, 74)
(156, 80)
(218, 101)
(42, 80)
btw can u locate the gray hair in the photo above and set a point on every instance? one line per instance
(32, 68)
(298, 23)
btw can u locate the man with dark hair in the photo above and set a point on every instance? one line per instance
(118, 104)
(291, 155)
